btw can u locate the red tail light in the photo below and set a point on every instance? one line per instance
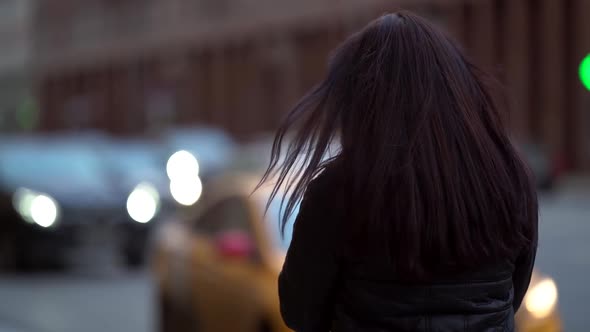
(559, 165)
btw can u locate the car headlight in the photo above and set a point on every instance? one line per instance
(35, 207)
(182, 166)
(143, 203)
(541, 298)
(186, 192)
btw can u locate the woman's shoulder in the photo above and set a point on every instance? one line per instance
(326, 194)
(327, 183)
(320, 212)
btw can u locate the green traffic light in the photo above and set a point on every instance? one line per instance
(585, 71)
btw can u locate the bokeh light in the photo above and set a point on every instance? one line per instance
(143, 203)
(22, 200)
(186, 192)
(182, 165)
(541, 298)
(44, 210)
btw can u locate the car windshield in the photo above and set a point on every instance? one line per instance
(134, 158)
(272, 222)
(211, 148)
(24, 165)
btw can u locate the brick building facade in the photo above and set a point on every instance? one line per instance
(128, 66)
(16, 109)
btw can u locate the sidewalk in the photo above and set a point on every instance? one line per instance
(564, 227)
(4, 327)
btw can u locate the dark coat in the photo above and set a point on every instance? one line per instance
(321, 291)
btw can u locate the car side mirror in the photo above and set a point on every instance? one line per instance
(235, 244)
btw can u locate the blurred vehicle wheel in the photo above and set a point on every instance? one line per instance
(167, 318)
(265, 327)
(134, 258)
(7, 254)
(134, 247)
(175, 319)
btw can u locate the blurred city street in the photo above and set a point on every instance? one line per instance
(114, 300)
(133, 132)
(77, 302)
(564, 252)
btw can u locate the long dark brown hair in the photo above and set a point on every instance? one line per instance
(432, 176)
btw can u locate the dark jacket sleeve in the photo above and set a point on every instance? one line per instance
(307, 281)
(521, 277)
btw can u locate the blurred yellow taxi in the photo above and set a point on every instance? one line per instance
(217, 266)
